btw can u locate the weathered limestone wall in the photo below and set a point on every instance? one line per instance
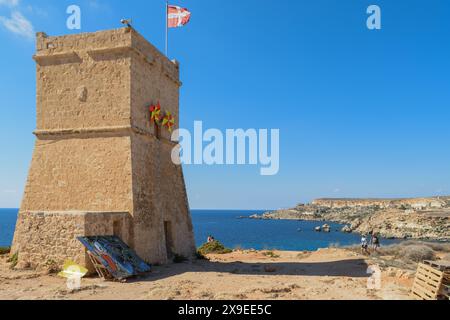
(160, 196)
(96, 151)
(147, 211)
(49, 238)
(83, 81)
(159, 189)
(80, 174)
(155, 78)
(176, 204)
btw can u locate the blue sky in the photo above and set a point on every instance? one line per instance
(361, 113)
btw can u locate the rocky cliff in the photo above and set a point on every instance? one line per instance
(415, 218)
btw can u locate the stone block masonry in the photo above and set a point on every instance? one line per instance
(99, 167)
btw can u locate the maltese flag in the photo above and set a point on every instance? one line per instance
(177, 16)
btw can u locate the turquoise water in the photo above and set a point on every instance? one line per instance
(225, 226)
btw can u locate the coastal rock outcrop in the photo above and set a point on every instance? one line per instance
(412, 218)
(347, 229)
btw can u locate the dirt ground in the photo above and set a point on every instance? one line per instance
(328, 274)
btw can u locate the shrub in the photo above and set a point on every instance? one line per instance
(271, 254)
(213, 247)
(52, 266)
(397, 249)
(418, 253)
(392, 250)
(436, 246)
(304, 255)
(14, 260)
(5, 250)
(404, 255)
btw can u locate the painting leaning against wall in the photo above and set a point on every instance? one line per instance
(121, 261)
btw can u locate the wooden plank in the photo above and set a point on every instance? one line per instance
(416, 296)
(428, 283)
(432, 276)
(429, 274)
(431, 282)
(438, 274)
(431, 269)
(428, 280)
(425, 286)
(441, 266)
(423, 294)
(99, 267)
(425, 289)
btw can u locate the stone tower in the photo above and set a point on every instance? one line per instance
(100, 167)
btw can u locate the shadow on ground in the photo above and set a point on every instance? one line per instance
(356, 268)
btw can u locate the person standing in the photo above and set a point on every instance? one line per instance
(375, 242)
(364, 245)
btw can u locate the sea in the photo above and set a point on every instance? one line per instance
(234, 232)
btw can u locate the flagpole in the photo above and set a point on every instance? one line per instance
(167, 28)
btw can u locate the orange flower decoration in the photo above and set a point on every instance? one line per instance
(168, 121)
(155, 112)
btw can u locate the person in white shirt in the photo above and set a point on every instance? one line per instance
(364, 244)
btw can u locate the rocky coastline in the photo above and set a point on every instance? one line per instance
(411, 218)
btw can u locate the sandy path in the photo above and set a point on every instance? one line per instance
(326, 274)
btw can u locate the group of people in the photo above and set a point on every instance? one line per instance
(370, 241)
(210, 239)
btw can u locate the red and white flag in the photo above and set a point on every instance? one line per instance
(177, 16)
